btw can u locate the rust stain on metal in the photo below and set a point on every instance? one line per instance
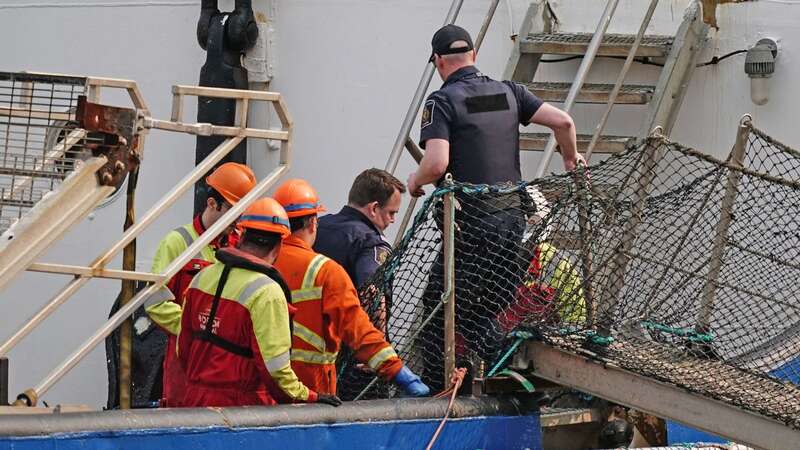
(710, 10)
(112, 132)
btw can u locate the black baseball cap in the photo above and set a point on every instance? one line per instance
(444, 38)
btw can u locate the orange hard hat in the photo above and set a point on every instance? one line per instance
(265, 214)
(232, 180)
(298, 198)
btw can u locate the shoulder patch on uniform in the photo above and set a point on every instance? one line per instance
(427, 113)
(381, 254)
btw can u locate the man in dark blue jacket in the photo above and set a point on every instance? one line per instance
(353, 237)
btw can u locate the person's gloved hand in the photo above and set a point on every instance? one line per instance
(411, 383)
(328, 399)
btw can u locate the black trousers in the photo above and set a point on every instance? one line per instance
(488, 268)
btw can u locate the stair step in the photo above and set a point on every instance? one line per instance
(631, 94)
(577, 43)
(606, 145)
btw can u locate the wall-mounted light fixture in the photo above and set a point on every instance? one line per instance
(759, 65)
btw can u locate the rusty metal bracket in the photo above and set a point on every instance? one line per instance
(113, 132)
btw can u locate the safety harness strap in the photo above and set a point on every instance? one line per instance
(207, 334)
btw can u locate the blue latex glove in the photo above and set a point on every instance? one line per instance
(411, 383)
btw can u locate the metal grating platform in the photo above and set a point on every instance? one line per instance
(40, 144)
(593, 93)
(606, 145)
(613, 44)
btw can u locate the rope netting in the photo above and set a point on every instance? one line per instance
(668, 262)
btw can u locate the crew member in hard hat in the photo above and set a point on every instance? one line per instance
(226, 185)
(235, 331)
(551, 292)
(328, 309)
(353, 237)
(470, 129)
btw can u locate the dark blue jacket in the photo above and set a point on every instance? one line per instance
(353, 241)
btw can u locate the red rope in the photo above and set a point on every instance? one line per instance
(455, 381)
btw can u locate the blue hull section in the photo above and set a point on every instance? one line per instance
(497, 432)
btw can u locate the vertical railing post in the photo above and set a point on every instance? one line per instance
(449, 297)
(619, 264)
(736, 159)
(583, 193)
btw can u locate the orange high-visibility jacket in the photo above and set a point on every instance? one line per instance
(328, 313)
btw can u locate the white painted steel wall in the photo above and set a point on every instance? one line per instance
(348, 69)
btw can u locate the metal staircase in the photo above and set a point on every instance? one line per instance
(539, 37)
(62, 153)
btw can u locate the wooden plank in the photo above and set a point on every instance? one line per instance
(607, 144)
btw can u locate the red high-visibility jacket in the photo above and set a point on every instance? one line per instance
(251, 338)
(328, 313)
(167, 314)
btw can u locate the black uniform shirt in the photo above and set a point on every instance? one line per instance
(353, 241)
(480, 117)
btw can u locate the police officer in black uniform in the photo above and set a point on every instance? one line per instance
(354, 236)
(470, 129)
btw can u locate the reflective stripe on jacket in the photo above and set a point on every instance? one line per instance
(252, 313)
(164, 307)
(328, 314)
(167, 315)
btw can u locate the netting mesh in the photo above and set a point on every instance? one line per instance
(39, 139)
(668, 262)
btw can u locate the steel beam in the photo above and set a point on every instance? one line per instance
(51, 218)
(656, 398)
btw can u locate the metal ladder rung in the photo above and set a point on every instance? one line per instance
(632, 94)
(612, 45)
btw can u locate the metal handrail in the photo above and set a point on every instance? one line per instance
(416, 100)
(404, 139)
(580, 78)
(98, 267)
(612, 98)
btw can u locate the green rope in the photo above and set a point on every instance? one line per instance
(689, 333)
(597, 339)
(521, 336)
(524, 382)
